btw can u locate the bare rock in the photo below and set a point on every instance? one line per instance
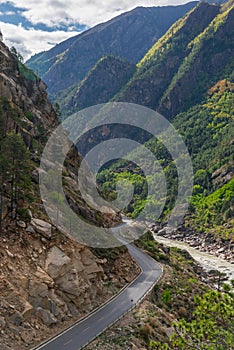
(17, 319)
(72, 283)
(2, 322)
(30, 229)
(21, 224)
(57, 263)
(37, 289)
(45, 316)
(42, 227)
(44, 277)
(9, 254)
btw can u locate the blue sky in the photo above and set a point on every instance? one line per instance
(33, 26)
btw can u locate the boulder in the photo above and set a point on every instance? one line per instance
(28, 311)
(45, 316)
(93, 269)
(30, 229)
(44, 277)
(21, 224)
(16, 319)
(37, 289)
(57, 263)
(42, 227)
(67, 285)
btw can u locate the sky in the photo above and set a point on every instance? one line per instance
(32, 26)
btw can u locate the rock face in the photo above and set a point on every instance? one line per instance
(57, 263)
(47, 280)
(45, 284)
(26, 93)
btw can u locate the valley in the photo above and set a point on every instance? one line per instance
(172, 287)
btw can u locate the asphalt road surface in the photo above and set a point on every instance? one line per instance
(83, 332)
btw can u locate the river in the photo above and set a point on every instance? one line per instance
(206, 261)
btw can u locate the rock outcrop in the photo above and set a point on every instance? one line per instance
(46, 283)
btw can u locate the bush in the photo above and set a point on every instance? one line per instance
(166, 296)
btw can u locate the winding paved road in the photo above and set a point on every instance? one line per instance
(80, 334)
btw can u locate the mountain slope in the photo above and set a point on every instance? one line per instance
(47, 279)
(102, 82)
(129, 35)
(202, 89)
(210, 59)
(158, 67)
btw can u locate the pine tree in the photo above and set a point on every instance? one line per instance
(18, 166)
(3, 179)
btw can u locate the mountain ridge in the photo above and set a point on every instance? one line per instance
(159, 66)
(117, 36)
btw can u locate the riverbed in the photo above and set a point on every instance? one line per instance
(207, 261)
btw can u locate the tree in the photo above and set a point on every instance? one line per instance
(17, 54)
(57, 109)
(3, 179)
(18, 166)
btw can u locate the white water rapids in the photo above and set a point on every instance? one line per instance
(207, 261)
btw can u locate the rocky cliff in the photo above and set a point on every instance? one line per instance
(25, 93)
(47, 280)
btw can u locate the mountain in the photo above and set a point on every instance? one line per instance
(165, 74)
(129, 36)
(188, 76)
(189, 55)
(210, 59)
(218, 2)
(101, 84)
(47, 278)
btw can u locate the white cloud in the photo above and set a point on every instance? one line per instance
(54, 13)
(29, 42)
(89, 12)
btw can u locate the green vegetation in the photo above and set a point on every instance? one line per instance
(15, 165)
(99, 85)
(168, 44)
(15, 168)
(214, 210)
(26, 72)
(210, 328)
(207, 130)
(206, 44)
(160, 66)
(204, 317)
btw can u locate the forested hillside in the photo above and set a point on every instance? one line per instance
(199, 75)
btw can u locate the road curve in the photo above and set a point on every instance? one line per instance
(84, 331)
